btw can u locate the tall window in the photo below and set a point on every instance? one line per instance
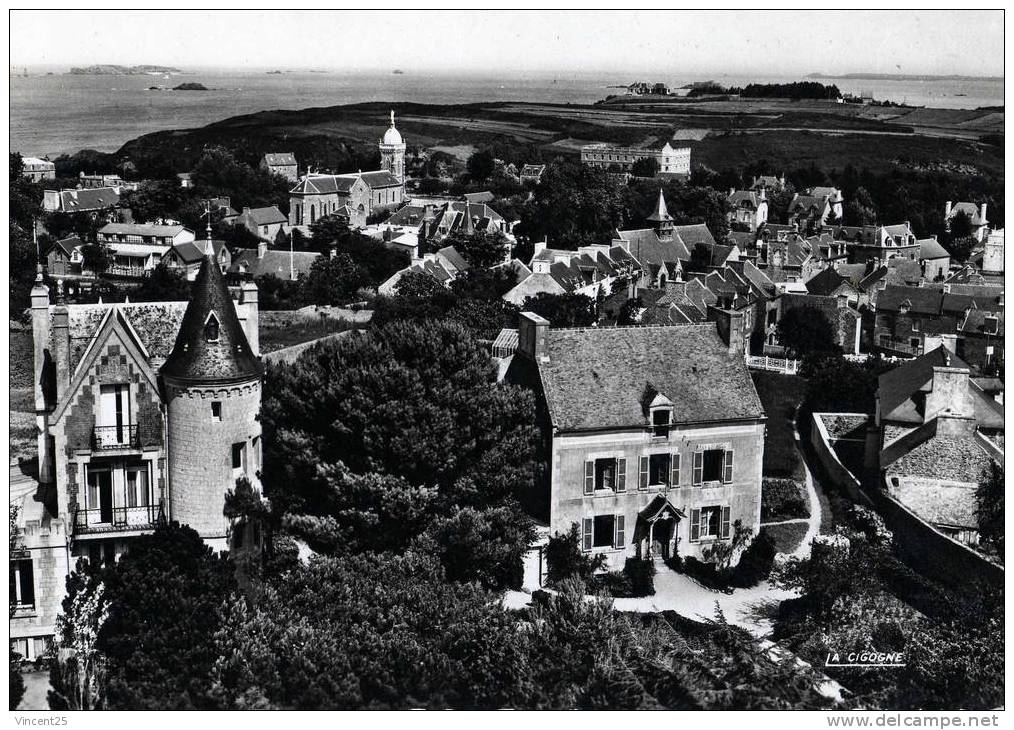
(238, 459)
(659, 466)
(607, 474)
(138, 491)
(661, 417)
(22, 583)
(710, 523)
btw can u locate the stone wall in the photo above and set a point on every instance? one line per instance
(570, 505)
(200, 450)
(289, 355)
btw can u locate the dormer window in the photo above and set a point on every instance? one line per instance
(211, 328)
(661, 419)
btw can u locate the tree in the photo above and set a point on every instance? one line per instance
(78, 673)
(480, 165)
(155, 199)
(563, 310)
(328, 230)
(96, 257)
(355, 428)
(645, 167)
(164, 598)
(22, 274)
(989, 506)
(378, 260)
(961, 248)
(805, 331)
(163, 284)
(334, 280)
(573, 205)
(566, 561)
(960, 225)
(480, 249)
(837, 385)
(218, 173)
(859, 209)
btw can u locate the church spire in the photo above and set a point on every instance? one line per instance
(661, 212)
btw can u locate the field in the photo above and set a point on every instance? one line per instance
(787, 134)
(284, 329)
(780, 395)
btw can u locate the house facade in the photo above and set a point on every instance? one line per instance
(186, 258)
(281, 163)
(144, 234)
(749, 208)
(145, 412)
(671, 160)
(976, 217)
(37, 170)
(265, 223)
(656, 435)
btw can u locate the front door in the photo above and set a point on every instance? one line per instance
(662, 538)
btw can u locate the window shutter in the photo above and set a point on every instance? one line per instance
(621, 475)
(728, 467)
(725, 523)
(587, 534)
(642, 480)
(698, 467)
(674, 480)
(589, 477)
(695, 525)
(619, 538)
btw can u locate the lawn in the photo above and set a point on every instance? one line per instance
(780, 395)
(787, 536)
(279, 330)
(783, 499)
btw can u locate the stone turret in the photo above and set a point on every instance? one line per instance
(212, 382)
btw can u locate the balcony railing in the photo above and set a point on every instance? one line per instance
(115, 437)
(112, 519)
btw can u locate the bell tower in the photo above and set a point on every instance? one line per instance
(392, 152)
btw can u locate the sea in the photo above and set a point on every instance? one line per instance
(53, 112)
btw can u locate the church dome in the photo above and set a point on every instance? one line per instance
(392, 135)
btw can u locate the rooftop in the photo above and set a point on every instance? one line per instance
(604, 378)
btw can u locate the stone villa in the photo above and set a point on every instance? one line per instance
(655, 435)
(145, 412)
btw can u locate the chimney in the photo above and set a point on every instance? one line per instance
(540, 246)
(732, 191)
(248, 313)
(950, 396)
(532, 336)
(763, 194)
(61, 344)
(947, 209)
(262, 248)
(729, 325)
(982, 213)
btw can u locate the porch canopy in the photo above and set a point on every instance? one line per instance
(660, 508)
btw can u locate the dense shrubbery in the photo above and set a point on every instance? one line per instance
(566, 561)
(782, 499)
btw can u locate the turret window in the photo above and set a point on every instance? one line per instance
(211, 328)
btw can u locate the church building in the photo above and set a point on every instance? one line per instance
(352, 196)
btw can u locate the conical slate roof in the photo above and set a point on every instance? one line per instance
(661, 212)
(202, 355)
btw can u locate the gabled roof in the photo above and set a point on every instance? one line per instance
(274, 262)
(279, 159)
(141, 229)
(807, 204)
(646, 247)
(155, 324)
(969, 209)
(192, 252)
(529, 170)
(600, 378)
(88, 199)
(67, 245)
(919, 300)
(197, 359)
(930, 248)
(693, 234)
(899, 389)
(827, 282)
(745, 199)
(260, 217)
(483, 197)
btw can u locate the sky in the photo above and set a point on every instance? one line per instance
(781, 42)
